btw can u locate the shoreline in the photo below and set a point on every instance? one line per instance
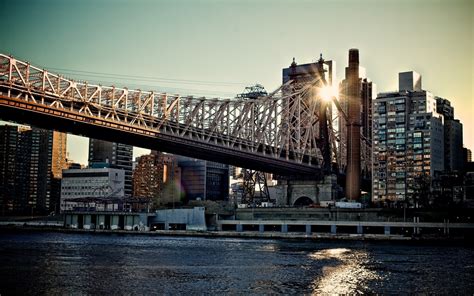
(297, 236)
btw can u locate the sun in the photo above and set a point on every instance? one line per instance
(328, 92)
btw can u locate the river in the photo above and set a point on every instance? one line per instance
(51, 263)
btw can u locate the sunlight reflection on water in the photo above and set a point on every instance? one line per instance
(42, 263)
(350, 275)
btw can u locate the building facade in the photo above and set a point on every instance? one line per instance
(157, 176)
(205, 180)
(408, 139)
(11, 175)
(468, 154)
(31, 160)
(453, 137)
(91, 182)
(113, 155)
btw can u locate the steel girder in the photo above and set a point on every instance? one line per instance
(283, 125)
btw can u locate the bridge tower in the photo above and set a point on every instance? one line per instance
(323, 72)
(294, 189)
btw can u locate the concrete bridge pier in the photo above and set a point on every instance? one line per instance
(304, 192)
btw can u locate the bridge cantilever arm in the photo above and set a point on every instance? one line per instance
(338, 106)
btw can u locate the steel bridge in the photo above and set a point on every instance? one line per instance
(279, 133)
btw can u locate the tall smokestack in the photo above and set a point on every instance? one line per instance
(353, 126)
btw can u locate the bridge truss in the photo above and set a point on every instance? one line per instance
(280, 132)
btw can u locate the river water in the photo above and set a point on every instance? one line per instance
(59, 263)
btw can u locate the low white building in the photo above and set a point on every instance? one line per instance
(91, 182)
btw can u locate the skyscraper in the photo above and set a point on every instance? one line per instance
(408, 139)
(203, 179)
(157, 176)
(11, 199)
(453, 137)
(114, 155)
(59, 157)
(30, 168)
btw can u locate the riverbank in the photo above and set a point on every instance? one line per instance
(245, 234)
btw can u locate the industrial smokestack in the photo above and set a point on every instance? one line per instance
(353, 56)
(354, 103)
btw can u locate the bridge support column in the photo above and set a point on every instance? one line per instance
(333, 229)
(416, 230)
(87, 222)
(114, 222)
(75, 221)
(446, 227)
(128, 223)
(101, 222)
(167, 226)
(308, 229)
(386, 230)
(239, 227)
(284, 228)
(71, 221)
(360, 229)
(261, 228)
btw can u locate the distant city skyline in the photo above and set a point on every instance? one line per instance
(217, 48)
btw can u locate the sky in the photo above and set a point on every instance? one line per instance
(216, 48)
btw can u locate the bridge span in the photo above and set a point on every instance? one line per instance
(278, 133)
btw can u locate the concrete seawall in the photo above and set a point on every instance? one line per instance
(234, 234)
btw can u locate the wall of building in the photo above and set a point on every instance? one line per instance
(157, 176)
(114, 155)
(408, 140)
(30, 159)
(205, 180)
(91, 182)
(194, 218)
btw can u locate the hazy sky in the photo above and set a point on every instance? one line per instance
(227, 45)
